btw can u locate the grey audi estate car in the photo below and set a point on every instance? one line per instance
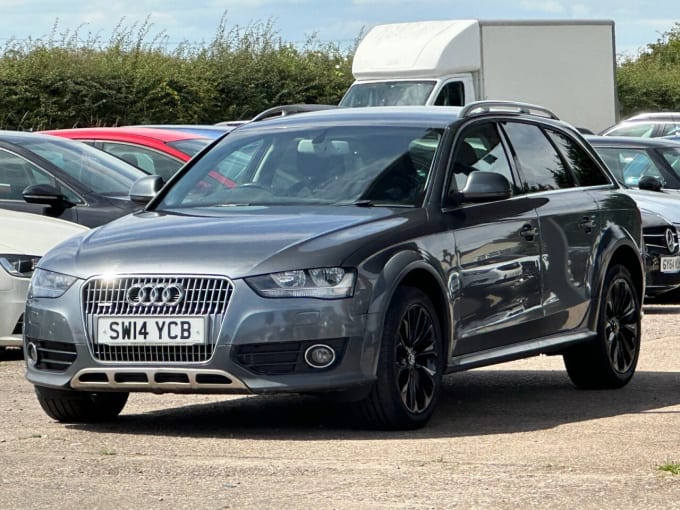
(357, 254)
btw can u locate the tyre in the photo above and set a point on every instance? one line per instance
(80, 406)
(410, 365)
(610, 359)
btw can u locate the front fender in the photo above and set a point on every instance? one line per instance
(413, 267)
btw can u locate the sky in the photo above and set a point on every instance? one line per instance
(637, 23)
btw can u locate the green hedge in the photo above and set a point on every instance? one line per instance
(65, 82)
(134, 78)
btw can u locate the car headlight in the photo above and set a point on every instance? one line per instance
(48, 284)
(324, 283)
(19, 265)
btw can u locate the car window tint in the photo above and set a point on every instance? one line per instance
(16, 173)
(190, 146)
(94, 169)
(586, 171)
(669, 129)
(379, 165)
(451, 94)
(479, 149)
(542, 167)
(672, 157)
(149, 160)
(642, 129)
(14, 176)
(629, 165)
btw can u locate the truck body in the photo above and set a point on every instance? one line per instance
(566, 66)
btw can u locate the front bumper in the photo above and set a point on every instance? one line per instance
(258, 348)
(658, 282)
(13, 292)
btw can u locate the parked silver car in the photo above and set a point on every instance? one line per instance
(25, 238)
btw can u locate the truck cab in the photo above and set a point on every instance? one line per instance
(454, 90)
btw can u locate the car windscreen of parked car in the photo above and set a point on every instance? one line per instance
(95, 169)
(371, 165)
(190, 146)
(631, 161)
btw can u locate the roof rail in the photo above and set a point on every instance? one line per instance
(478, 107)
(290, 109)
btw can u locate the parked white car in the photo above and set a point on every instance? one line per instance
(24, 238)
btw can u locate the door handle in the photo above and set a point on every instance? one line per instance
(528, 232)
(587, 224)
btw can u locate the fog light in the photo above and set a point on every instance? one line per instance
(319, 356)
(32, 353)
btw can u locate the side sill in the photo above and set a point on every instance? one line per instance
(519, 350)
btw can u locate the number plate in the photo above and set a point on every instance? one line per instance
(670, 264)
(151, 330)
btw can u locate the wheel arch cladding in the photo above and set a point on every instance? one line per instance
(425, 281)
(627, 257)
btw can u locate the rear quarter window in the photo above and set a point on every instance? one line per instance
(584, 167)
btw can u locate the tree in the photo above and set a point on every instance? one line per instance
(649, 81)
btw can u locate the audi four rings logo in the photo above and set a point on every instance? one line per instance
(671, 241)
(155, 294)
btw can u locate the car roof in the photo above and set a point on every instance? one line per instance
(124, 132)
(436, 116)
(11, 135)
(421, 116)
(631, 141)
(654, 116)
(199, 130)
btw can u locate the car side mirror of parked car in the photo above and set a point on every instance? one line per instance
(650, 183)
(45, 194)
(145, 188)
(485, 187)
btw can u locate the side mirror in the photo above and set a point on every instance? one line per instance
(485, 187)
(650, 183)
(44, 194)
(145, 188)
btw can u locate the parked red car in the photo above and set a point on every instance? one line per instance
(156, 151)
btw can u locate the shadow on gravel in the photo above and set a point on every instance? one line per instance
(658, 309)
(473, 403)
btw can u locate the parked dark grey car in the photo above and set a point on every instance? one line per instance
(63, 179)
(650, 167)
(352, 253)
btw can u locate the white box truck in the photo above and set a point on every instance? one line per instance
(566, 66)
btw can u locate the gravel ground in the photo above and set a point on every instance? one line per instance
(512, 436)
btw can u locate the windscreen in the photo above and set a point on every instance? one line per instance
(388, 93)
(190, 146)
(93, 168)
(672, 157)
(371, 165)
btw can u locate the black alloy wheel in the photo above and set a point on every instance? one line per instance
(416, 359)
(622, 328)
(609, 360)
(410, 365)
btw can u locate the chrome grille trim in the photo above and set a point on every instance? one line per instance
(205, 296)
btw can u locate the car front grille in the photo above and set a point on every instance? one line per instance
(120, 297)
(655, 238)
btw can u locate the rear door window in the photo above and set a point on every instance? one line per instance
(541, 165)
